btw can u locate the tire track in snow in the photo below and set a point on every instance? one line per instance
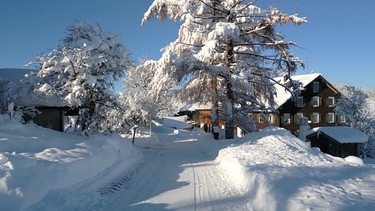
(180, 175)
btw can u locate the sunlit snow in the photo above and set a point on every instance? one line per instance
(41, 169)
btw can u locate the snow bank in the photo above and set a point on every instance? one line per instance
(277, 171)
(35, 161)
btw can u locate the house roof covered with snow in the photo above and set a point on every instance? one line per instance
(197, 106)
(342, 134)
(283, 95)
(26, 96)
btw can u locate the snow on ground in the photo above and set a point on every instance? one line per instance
(179, 170)
(277, 171)
(35, 160)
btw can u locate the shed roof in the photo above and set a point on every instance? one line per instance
(26, 96)
(343, 134)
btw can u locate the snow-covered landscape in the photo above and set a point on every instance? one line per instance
(42, 169)
(210, 125)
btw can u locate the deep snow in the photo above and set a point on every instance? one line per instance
(41, 169)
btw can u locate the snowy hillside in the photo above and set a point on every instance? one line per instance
(178, 170)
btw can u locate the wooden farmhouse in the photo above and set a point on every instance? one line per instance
(316, 101)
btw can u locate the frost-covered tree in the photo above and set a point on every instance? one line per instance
(226, 52)
(82, 71)
(140, 101)
(5, 95)
(353, 106)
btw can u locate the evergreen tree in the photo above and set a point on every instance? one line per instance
(226, 52)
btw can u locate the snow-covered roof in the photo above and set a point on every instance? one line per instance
(197, 106)
(178, 122)
(282, 95)
(343, 134)
(26, 97)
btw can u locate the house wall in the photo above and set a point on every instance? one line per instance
(205, 118)
(271, 119)
(323, 109)
(50, 118)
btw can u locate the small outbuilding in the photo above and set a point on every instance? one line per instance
(340, 141)
(53, 109)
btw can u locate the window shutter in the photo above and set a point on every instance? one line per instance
(320, 101)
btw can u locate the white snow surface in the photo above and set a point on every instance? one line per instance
(343, 134)
(42, 169)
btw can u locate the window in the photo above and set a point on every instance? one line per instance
(315, 117)
(286, 118)
(271, 118)
(316, 101)
(300, 102)
(330, 117)
(342, 118)
(260, 118)
(316, 87)
(331, 101)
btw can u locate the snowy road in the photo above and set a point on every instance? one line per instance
(178, 175)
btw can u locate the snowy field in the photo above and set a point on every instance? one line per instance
(42, 169)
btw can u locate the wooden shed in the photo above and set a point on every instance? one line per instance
(340, 141)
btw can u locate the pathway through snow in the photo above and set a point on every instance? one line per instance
(180, 175)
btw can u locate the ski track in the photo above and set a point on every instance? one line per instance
(178, 175)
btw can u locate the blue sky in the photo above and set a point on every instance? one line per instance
(338, 41)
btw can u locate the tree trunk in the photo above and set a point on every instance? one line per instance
(229, 122)
(215, 107)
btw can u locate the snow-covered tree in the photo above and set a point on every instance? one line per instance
(82, 71)
(226, 53)
(140, 101)
(4, 95)
(353, 106)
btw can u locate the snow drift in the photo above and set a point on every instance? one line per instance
(277, 171)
